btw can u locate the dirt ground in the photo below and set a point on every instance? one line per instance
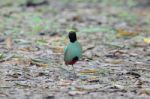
(114, 34)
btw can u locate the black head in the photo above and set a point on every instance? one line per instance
(72, 36)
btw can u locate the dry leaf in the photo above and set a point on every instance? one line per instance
(116, 61)
(123, 32)
(93, 79)
(88, 47)
(65, 82)
(15, 75)
(73, 93)
(136, 75)
(144, 92)
(147, 40)
(88, 71)
(28, 49)
(139, 83)
(8, 42)
(57, 40)
(58, 49)
(119, 86)
(23, 85)
(88, 87)
(39, 64)
(76, 18)
(139, 44)
(116, 54)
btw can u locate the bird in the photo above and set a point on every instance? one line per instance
(73, 51)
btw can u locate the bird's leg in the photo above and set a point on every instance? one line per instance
(74, 71)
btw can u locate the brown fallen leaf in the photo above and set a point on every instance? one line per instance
(28, 49)
(88, 87)
(73, 93)
(15, 75)
(139, 83)
(93, 79)
(147, 40)
(136, 75)
(119, 86)
(8, 42)
(88, 47)
(57, 41)
(23, 61)
(123, 32)
(144, 92)
(65, 82)
(116, 54)
(116, 62)
(58, 49)
(76, 18)
(2, 94)
(88, 71)
(23, 85)
(39, 64)
(139, 44)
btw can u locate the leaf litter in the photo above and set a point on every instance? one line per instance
(115, 40)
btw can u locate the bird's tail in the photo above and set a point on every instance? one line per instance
(76, 58)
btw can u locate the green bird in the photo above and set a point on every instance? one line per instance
(73, 51)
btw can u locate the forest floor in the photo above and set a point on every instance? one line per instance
(114, 34)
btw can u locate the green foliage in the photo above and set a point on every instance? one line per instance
(37, 28)
(41, 42)
(109, 33)
(11, 3)
(1, 55)
(128, 16)
(119, 3)
(146, 21)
